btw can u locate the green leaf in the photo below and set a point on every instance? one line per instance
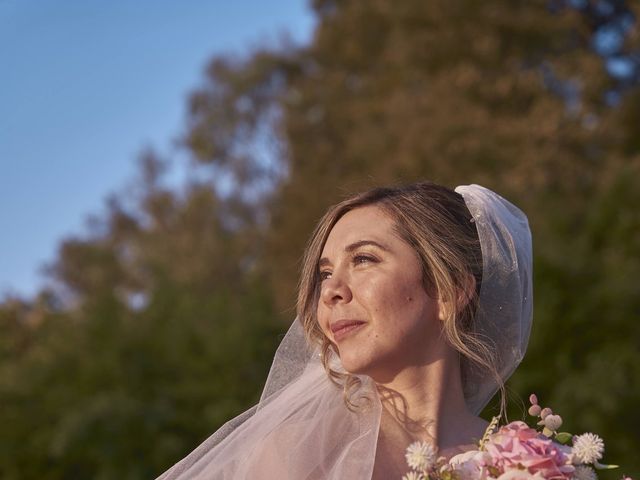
(563, 437)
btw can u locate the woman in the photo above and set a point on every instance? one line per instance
(414, 307)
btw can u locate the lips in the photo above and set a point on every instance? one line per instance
(343, 328)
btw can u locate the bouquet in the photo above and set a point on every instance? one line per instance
(515, 452)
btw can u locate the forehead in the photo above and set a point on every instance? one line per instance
(363, 223)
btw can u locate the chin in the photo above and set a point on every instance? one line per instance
(381, 370)
(356, 365)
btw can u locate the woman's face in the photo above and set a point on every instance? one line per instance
(373, 305)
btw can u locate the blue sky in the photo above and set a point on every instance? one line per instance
(85, 86)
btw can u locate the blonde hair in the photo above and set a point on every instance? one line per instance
(436, 223)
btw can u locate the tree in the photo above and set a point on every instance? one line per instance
(508, 94)
(158, 330)
(176, 293)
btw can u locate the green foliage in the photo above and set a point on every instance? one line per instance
(124, 396)
(162, 331)
(163, 319)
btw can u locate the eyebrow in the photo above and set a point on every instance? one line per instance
(354, 246)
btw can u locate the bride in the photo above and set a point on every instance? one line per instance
(414, 307)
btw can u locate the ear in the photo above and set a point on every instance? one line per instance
(463, 296)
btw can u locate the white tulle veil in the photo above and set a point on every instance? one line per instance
(301, 427)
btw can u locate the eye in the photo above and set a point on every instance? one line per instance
(361, 258)
(324, 275)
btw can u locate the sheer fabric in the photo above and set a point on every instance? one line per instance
(302, 429)
(505, 306)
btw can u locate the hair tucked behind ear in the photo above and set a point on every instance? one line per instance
(436, 223)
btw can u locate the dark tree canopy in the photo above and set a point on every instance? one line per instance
(161, 320)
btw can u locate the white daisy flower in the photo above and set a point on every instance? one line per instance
(582, 472)
(421, 455)
(413, 476)
(587, 448)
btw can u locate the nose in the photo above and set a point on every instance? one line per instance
(335, 290)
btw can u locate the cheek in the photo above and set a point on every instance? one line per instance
(322, 317)
(400, 293)
(410, 308)
(392, 299)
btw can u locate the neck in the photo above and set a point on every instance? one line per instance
(427, 402)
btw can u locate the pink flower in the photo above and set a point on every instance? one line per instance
(553, 422)
(517, 446)
(535, 410)
(471, 465)
(520, 475)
